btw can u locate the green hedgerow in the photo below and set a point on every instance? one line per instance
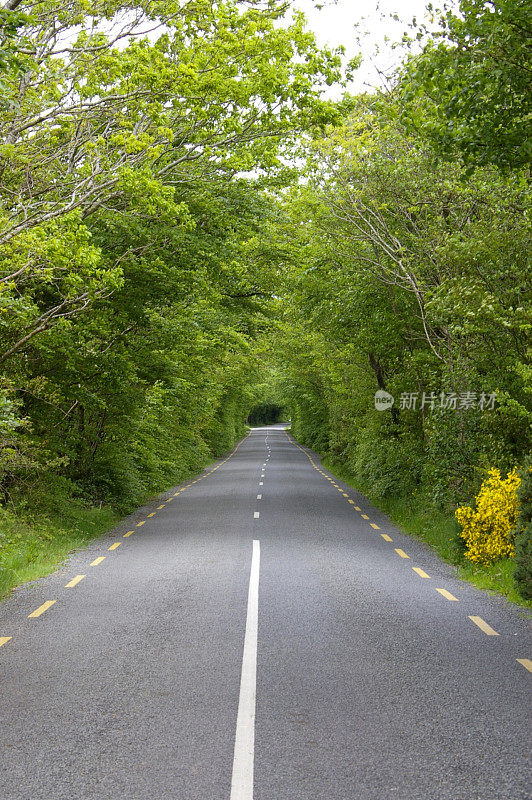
(523, 538)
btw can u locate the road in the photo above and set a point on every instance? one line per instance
(262, 631)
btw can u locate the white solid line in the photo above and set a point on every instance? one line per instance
(256, 514)
(242, 780)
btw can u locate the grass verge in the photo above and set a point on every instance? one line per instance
(438, 529)
(33, 545)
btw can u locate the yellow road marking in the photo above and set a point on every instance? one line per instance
(357, 508)
(345, 495)
(127, 534)
(447, 595)
(5, 639)
(401, 553)
(364, 516)
(421, 572)
(352, 502)
(176, 493)
(74, 581)
(153, 513)
(97, 561)
(335, 484)
(525, 662)
(41, 609)
(161, 506)
(374, 526)
(488, 630)
(140, 523)
(169, 499)
(386, 537)
(114, 546)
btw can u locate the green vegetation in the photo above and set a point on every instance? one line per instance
(135, 280)
(33, 544)
(408, 275)
(523, 539)
(191, 234)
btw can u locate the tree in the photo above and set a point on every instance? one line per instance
(469, 90)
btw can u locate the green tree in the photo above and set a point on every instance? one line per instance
(468, 92)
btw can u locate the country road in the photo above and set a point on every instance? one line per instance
(262, 632)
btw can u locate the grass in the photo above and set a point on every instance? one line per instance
(439, 529)
(34, 544)
(496, 578)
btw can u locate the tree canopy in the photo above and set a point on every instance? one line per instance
(190, 230)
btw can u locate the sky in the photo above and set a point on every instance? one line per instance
(335, 24)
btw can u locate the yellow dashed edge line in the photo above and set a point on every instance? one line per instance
(447, 595)
(74, 581)
(421, 572)
(525, 662)
(332, 482)
(45, 606)
(480, 623)
(401, 553)
(488, 630)
(153, 513)
(41, 609)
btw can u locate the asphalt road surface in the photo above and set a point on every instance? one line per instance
(262, 631)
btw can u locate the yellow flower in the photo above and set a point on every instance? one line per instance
(488, 529)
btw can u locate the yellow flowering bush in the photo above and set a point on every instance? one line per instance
(488, 529)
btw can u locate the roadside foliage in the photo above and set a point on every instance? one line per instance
(489, 528)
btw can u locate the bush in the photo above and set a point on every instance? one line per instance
(523, 538)
(488, 530)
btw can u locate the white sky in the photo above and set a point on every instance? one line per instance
(335, 24)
